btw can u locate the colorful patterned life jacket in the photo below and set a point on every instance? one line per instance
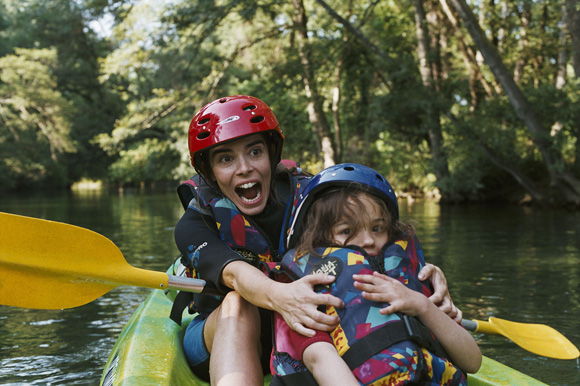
(238, 231)
(380, 349)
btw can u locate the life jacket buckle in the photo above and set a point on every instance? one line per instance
(413, 329)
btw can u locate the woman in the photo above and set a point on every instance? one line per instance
(237, 217)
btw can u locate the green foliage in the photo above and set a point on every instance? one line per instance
(149, 161)
(34, 120)
(124, 100)
(61, 26)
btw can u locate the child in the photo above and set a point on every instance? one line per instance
(347, 226)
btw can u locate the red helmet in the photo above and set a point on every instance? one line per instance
(229, 118)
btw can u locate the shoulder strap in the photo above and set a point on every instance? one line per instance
(197, 194)
(408, 328)
(185, 192)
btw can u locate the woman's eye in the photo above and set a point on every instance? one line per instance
(225, 159)
(256, 152)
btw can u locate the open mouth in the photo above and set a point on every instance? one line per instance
(250, 192)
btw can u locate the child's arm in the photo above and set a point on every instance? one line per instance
(317, 353)
(327, 367)
(457, 342)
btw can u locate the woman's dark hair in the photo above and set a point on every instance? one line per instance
(344, 203)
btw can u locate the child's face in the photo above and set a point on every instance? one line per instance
(371, 234)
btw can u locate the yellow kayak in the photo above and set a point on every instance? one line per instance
(149, 352)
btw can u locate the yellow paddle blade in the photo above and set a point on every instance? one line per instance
(52, 265)
(536, 338)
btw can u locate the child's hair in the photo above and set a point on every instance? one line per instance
(332, 206)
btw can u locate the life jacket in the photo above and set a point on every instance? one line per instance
(380, 349)
(238, 231)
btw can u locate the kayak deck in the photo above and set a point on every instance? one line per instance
(149, 352)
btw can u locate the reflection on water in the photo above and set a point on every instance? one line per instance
(70, 347)
(519, 264)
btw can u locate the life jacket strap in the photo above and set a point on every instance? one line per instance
(182, 300)
(408, 328)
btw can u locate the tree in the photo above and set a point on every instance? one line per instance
(315, 106)
(572, 13)
(564, 186)
(62, 26)
(429, 67)
(35, 120)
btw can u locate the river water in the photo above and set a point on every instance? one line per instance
(515, 263)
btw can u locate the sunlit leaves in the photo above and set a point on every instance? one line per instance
(34, 116)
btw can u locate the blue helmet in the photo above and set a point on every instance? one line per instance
(337, 176)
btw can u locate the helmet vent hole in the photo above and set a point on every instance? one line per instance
(249, 107)
(257, 119)
(348, 168)
(379, 177)
(203, 121)
(203, 135)
(223, 100)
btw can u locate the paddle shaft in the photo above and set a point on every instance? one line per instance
(479, 326)
(189, 284)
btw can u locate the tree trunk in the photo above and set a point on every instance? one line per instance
(562, 57)
(427, 64)
(505, 9)
(564, 186)
(561, 65)
(315, 103)
(523, 42)
(470, 60)
(336, 111)
(573, 23)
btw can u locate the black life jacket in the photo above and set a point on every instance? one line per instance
(237, 230)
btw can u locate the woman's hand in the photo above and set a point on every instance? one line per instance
(298, 304)
(441, 297)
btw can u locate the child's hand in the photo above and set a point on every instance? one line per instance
(381, 288)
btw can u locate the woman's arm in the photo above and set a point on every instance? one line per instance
(441, 296)
(296, 302)
(196, 237)
(457, 342)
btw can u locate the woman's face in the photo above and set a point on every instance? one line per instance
(241, 169)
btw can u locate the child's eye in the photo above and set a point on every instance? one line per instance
(344, 231)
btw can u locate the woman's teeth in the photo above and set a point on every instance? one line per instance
(249, 192)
